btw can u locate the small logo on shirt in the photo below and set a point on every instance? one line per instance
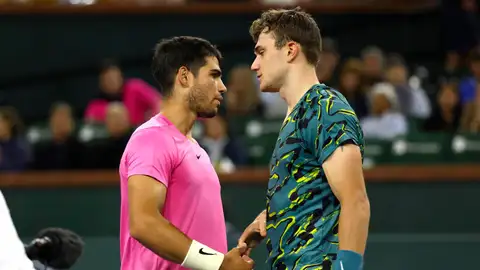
(205, 253)
(198, 156)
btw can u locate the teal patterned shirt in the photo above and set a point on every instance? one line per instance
(302, 211)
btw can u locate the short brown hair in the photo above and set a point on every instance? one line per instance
(290, 25)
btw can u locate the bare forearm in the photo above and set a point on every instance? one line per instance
(353, 227)
(161, 237)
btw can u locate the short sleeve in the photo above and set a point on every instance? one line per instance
(332, 129)
(152, 153)
(467, 91)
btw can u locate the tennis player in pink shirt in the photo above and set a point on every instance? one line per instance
(171, 208)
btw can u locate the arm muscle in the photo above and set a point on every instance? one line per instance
(345, 176)
(146, 197)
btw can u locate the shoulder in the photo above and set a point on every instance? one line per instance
(95, 103)
(332, 100)
(152, 139)
(135, 84)
(152, 135)
(331, 107)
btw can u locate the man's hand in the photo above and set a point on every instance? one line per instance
(235, 260)
(254, 233)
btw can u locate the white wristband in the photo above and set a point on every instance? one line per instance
(201, 257)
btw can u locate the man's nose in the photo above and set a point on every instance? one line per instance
(255, 65)
(222, 88)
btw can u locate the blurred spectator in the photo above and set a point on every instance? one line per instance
(327, 66)
(226, 152)
(117, 122)
(413, 101)
(243, 97)
(461, 23)
(452, 68)
(350, 79)
(141, 100)
(447, 110)
(373, 66)
(468, 90)
(106, 152)
(385, 121)
(14, 150)
(63, 150)
(475, 124)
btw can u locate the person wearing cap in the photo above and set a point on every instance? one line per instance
(385, 121)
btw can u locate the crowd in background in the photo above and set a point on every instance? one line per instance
(385, 94)
(390, 97)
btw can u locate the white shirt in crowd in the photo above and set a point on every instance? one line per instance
(385, 127)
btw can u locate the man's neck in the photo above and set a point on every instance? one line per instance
(180, 116)
(297, 83)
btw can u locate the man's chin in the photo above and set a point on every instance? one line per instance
(209, 114)
(268, 89)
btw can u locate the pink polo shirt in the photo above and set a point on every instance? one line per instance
(193, 202)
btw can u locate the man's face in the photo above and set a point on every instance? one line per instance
(215, 128)
(380, 104)
(61, 121)
(205, 95)
(397, 75)
(372, 64)
(117, 121)
(447, 97)
(111, 80)
(5, 127)
(349, 81)
(270, 63)
(475, 68)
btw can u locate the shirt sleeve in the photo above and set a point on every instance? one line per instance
(467, 91)
(12, 250)
(335, 126)
(152, 153)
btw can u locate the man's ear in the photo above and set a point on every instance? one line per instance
(184, 77)
(293, 50)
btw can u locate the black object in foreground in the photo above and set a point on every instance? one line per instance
(55, 247)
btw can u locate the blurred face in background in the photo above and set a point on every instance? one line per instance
(215, 128)
(452, 61)
(242, 89)
(373, 64)
(447, 97)
(270, 64)
(61, 121)
(469, 5)
(111, 80)
(475, 68)
(326, 66)
(5, 127)
(117, 120)
(380, 104)
(349, 81)
(397, 75)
